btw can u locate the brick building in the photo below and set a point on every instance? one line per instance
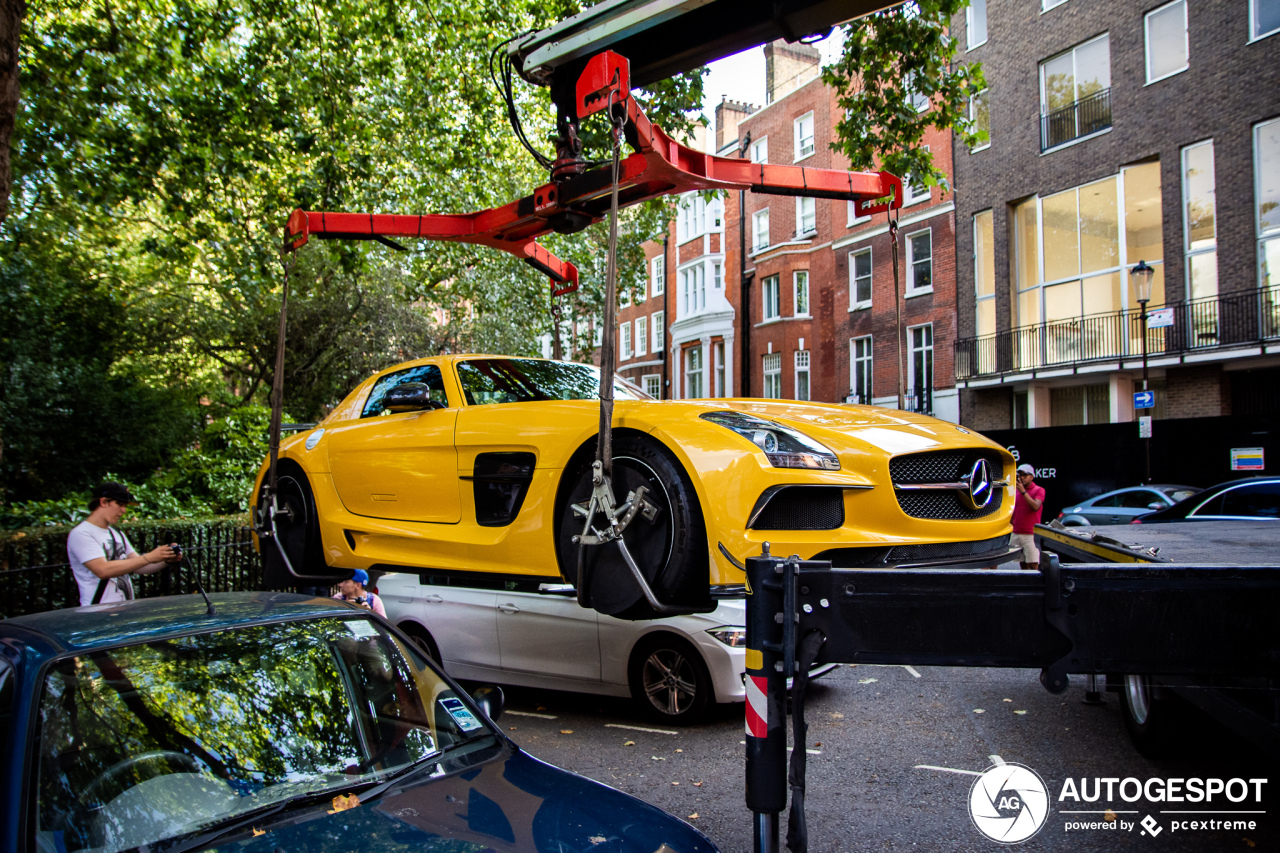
(1119, 133)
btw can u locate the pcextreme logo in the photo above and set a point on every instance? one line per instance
(1009, 803)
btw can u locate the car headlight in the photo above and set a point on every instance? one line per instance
(730, 635)
(784, 446)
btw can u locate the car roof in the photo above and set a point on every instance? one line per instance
(81, 629)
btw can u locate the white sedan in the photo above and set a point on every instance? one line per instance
(534, 634)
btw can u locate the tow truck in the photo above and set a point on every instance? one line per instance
(1165, 620)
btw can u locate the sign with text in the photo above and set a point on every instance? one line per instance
(1144, 426)
(1246, 459)
(1161, 318)
(1144, 399)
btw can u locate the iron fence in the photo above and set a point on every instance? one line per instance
(1090, 114)
(1201, 324)
(35, 575)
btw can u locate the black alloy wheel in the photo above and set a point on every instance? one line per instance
(298, 529)
(670, 680)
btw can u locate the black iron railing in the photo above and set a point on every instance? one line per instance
(919, 400)
(1201, 324)
(1090, 114)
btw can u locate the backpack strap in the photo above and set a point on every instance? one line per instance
(102, 588)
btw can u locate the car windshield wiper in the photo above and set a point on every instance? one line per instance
(368, 789)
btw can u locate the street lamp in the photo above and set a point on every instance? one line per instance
(1141, 276)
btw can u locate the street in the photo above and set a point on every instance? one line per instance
(893, 753)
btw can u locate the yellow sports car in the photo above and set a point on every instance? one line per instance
(481, 464)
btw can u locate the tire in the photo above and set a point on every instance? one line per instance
(669, 680)
(423, 640)
(299, 532)
(670, 550)
(1154, 722)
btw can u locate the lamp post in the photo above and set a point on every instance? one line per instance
(1141, 276)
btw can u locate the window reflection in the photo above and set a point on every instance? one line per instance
(487, 381)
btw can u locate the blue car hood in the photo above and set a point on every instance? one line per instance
(512, 802)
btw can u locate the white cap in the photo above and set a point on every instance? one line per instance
(1026, 469)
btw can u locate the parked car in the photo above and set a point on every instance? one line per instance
(273, 722)
(1123, 505)
(536, 635)
(482, 464)
(1252, 498)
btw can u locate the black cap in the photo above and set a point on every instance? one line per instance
(114, 492)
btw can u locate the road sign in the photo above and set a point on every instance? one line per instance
(1144, 426)
(1161, 318)
(1247, 459)
(1144, 399)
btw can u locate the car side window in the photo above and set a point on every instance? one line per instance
(494, 584)
(1257, 501)
(1213, 506)
(1141, 500)
(1112, 501)
(428, 374)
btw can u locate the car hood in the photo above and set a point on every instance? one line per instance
(512, 802)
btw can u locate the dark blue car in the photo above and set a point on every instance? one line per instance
(280, 723)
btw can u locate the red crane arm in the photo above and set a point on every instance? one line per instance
(659, 166)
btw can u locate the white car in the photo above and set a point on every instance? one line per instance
(534, 634)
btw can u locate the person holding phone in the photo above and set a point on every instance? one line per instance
(102, 558)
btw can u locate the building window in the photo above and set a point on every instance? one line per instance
(802, 374)
(984, 273)
(860, 279)
(1167, 44)
(801, 283)
(717, 275)
(1080, 404)
(659, 331)
(852, 217)
(806, 216)
(642, 335)
(693, 289)
(919, 99)
(760, 229)
(693, 384)
(920, 256)
(658, 275)
(920, 367)
(975, 26)
(1264, 15)
(1199, 220)
(769, 292)
(624, 296)
(804, 136)
(695, 216)
(760, 150)
(860, 370)
(980, 115)
(1266, 168)
(1075, 93)
(915, 190)
(717, 350)
(652, 384)
(624, 343)
(773, 376)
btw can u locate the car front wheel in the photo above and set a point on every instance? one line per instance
(670, 681)
(1153, 720)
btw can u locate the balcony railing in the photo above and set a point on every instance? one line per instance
(1238, 319)
(1090, 114)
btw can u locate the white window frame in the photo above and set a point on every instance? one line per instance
(913, 382)
(973, 117)
(658, 338)
(1272, 234)
(852, 218)
(1146, 40)
(856, 304)
(771, 373)
(693, 287)
(796, 277)
(717, 275)
(913, 194)
(862, 366)
(651, 384)
(1253, 18)
(912, 289)
(641, 336)
(1187, 252)
(692, 376)
(757, 218)
(658, 275)
(624, 340)
(970, 13)
(798, 137)
(718, 369)
(760, 150)
(919, 100)
(812, 206)
(802, 369)
(771, 307)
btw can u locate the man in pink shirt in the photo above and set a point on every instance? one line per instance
(1027, 506)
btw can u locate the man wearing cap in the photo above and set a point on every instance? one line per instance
(1027, 506)
(353, 590)
(101, 557)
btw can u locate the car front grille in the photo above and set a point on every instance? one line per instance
(801, 508)
(943, 466)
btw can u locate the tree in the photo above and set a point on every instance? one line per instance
(890, 58)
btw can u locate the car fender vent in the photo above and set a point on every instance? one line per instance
(943, 466)
(500, 483)
(799, 508)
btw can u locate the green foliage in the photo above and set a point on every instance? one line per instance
(889, 57)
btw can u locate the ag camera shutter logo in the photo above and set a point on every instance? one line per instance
(1009, 803)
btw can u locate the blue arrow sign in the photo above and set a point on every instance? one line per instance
(1144, 399)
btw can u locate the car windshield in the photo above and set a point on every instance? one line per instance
(166, 738)
(522, 380)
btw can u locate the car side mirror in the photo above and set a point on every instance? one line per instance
(490, 699)
(410, 396)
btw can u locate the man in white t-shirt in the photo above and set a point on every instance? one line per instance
(102, 558)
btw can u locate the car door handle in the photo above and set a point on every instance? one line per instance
(508, 608)
(433, 599)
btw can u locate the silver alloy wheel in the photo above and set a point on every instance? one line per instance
(1137, 693)
(670, 681)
